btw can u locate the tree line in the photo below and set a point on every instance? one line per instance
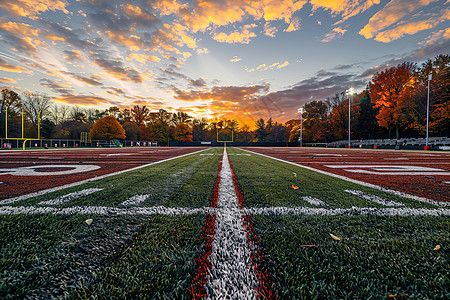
(392, 106)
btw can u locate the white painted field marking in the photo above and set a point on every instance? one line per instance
(70, 197)
(396, 158)
(103, 210)
(33, 170)
(117, 154)
(135, 200)
(354, 211)
(243, 154)
(175, 211)
(363, 183)
(314, 201)
(390, 169)
(231, 275)
(206, 153)
(43, 192)
(374, 198)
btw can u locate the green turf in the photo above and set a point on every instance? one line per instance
(267, 182)
(376, 257)
(44, 256)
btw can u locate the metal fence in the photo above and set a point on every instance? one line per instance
(66, 143)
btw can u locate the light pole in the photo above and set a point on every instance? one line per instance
(300, 111)
(349, 92)
(428, 110)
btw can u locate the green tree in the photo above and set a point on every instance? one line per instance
(107, 128)
(131, 131)
(260, 132)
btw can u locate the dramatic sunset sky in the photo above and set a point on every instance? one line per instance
(212, 58)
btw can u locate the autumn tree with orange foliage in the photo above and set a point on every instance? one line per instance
(107, 128)
(183, 132)
(439, 68)
(391, 91)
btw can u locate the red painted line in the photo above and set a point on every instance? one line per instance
(257, 255)
(202, 263)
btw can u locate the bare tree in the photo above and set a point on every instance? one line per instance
(36, 105)
(139, 114)
(59, 113)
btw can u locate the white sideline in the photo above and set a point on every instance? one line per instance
(394, 192)
(43, 192)
(231, 275)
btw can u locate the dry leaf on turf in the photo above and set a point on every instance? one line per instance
(89, 221)
(295, 174)
(437, 247)
(309, 246)
(335, 237)
(295, 187)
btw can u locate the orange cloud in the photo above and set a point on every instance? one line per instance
(202, 14)
(270, 30)
(345, 8)
(7, 80)
(336, 32)
(390, 14)
(235, 59)
(399, 31)
(4, 66)
(142, 58)
(278, 10)
(138, 13)
(167, 7)
(283, 65)
(21, 29)
(235, 37)
(437, 37)
(222, 93)
(132, 41)
(81, 100)
(32, 8)
(115, 69)
(294, 26)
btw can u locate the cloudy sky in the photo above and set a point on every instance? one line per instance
(241, 59)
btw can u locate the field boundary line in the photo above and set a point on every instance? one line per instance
(366, 184)
(43, 192)
(175, 211)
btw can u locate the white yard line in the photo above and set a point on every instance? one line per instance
(43, 192)
(174, 211)
(104, 210)
(70, 197)
(374, 198)
(354, 211)
(231, 275)
(394, 192)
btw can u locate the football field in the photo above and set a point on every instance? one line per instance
(184, 223)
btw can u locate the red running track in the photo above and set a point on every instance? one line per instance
(14, 183)
(391, 169)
